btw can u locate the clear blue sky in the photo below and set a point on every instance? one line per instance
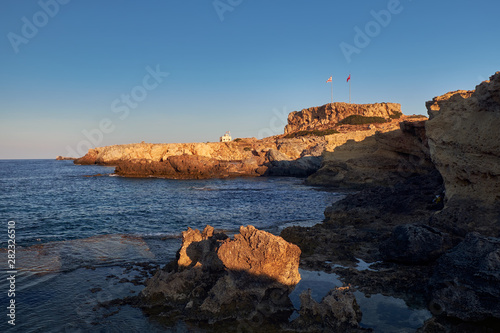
(239, 66)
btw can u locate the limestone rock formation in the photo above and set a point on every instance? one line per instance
(189, 167)
(465, 282)
(223, 151)
(276, 156)
(434, 106)
(216, 278)
(64, 158)
(261, 254)
(279, 165)
(381, 159)
(464, 140)
(329, 114)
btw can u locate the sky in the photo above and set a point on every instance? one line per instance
(78, 74)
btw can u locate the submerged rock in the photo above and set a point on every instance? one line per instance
(338, 311)
(217, 279)
(466, 280)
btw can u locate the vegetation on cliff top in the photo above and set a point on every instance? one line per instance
(361, 120)
(311, 133)
(396, 115)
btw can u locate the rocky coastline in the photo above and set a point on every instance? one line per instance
(433, 230)
(297, 153)
(64, 158)
(425, 212)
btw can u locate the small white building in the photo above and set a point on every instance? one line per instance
(226, 137)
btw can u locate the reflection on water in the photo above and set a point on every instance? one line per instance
(60, 285)
(90, 236)
(389, 314)
(383, 314)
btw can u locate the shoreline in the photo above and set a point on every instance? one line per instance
(410, 217)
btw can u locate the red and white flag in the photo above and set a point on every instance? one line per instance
(329, 80)
(349, 78)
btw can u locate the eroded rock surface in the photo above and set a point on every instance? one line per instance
(382, 159)
(216, 278)
(415, 244)
(327, 115)
(466, 280)
(464, 140)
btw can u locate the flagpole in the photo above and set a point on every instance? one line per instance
(332, 89)
(349, 88)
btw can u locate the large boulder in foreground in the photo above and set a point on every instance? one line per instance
(464, 140)
(261, 254)
(466, 281)
(217, 279)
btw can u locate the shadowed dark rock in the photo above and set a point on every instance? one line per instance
(338, 311)
(466, 281)
(414, 244)
(302, 167)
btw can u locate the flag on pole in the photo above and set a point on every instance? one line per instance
(330, 79)
(349, 78)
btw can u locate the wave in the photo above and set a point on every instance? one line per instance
(96, 251)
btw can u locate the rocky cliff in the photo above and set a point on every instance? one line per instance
(385, 158)
(464, 140)
(440, 224)
(297, 155)
(326, 116)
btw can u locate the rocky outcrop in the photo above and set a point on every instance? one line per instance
(262, 254)
(415, 244)
(328, 115)
(382, 159)
(281, 165)
(450, 191)
(434, 106)
(217, 279)
(465, 281)
(338, 311)
(274, 156)
(464, 141)
(190, 167)
(63, 158)
(355, 226)
(222, 151)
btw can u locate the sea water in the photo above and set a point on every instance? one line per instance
(82, 235)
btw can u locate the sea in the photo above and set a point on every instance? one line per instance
(80, 237)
